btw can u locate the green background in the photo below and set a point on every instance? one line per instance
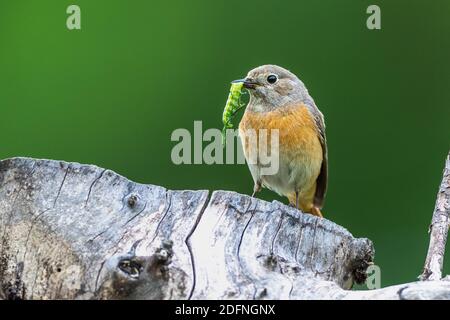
(112, 93)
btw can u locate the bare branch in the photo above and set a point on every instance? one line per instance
(438, 230)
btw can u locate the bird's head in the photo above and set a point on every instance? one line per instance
(272, 87)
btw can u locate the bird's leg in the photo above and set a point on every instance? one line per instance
(296, 199)
(256, 188)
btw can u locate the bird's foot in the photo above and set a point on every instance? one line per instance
(256, 189)
(316, 212)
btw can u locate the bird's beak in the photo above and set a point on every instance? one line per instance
(248, 83)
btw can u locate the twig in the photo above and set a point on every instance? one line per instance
(438, 230)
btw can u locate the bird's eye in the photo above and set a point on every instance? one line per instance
(272, 79)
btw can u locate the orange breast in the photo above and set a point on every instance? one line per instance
(297, 130)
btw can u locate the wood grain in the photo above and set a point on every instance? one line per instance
(73, 231)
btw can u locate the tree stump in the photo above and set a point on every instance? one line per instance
(72, 231)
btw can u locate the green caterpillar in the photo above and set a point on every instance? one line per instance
(233, 105)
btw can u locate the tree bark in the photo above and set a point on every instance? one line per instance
(72, 231)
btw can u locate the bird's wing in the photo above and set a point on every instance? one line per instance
(322, 179)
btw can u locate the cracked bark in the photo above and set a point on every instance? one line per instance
(72, 231)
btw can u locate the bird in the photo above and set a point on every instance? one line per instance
(280, 100)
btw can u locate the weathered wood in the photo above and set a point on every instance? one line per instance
(65, 227)
(257, 249)
(72, 231)
(439, 229)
